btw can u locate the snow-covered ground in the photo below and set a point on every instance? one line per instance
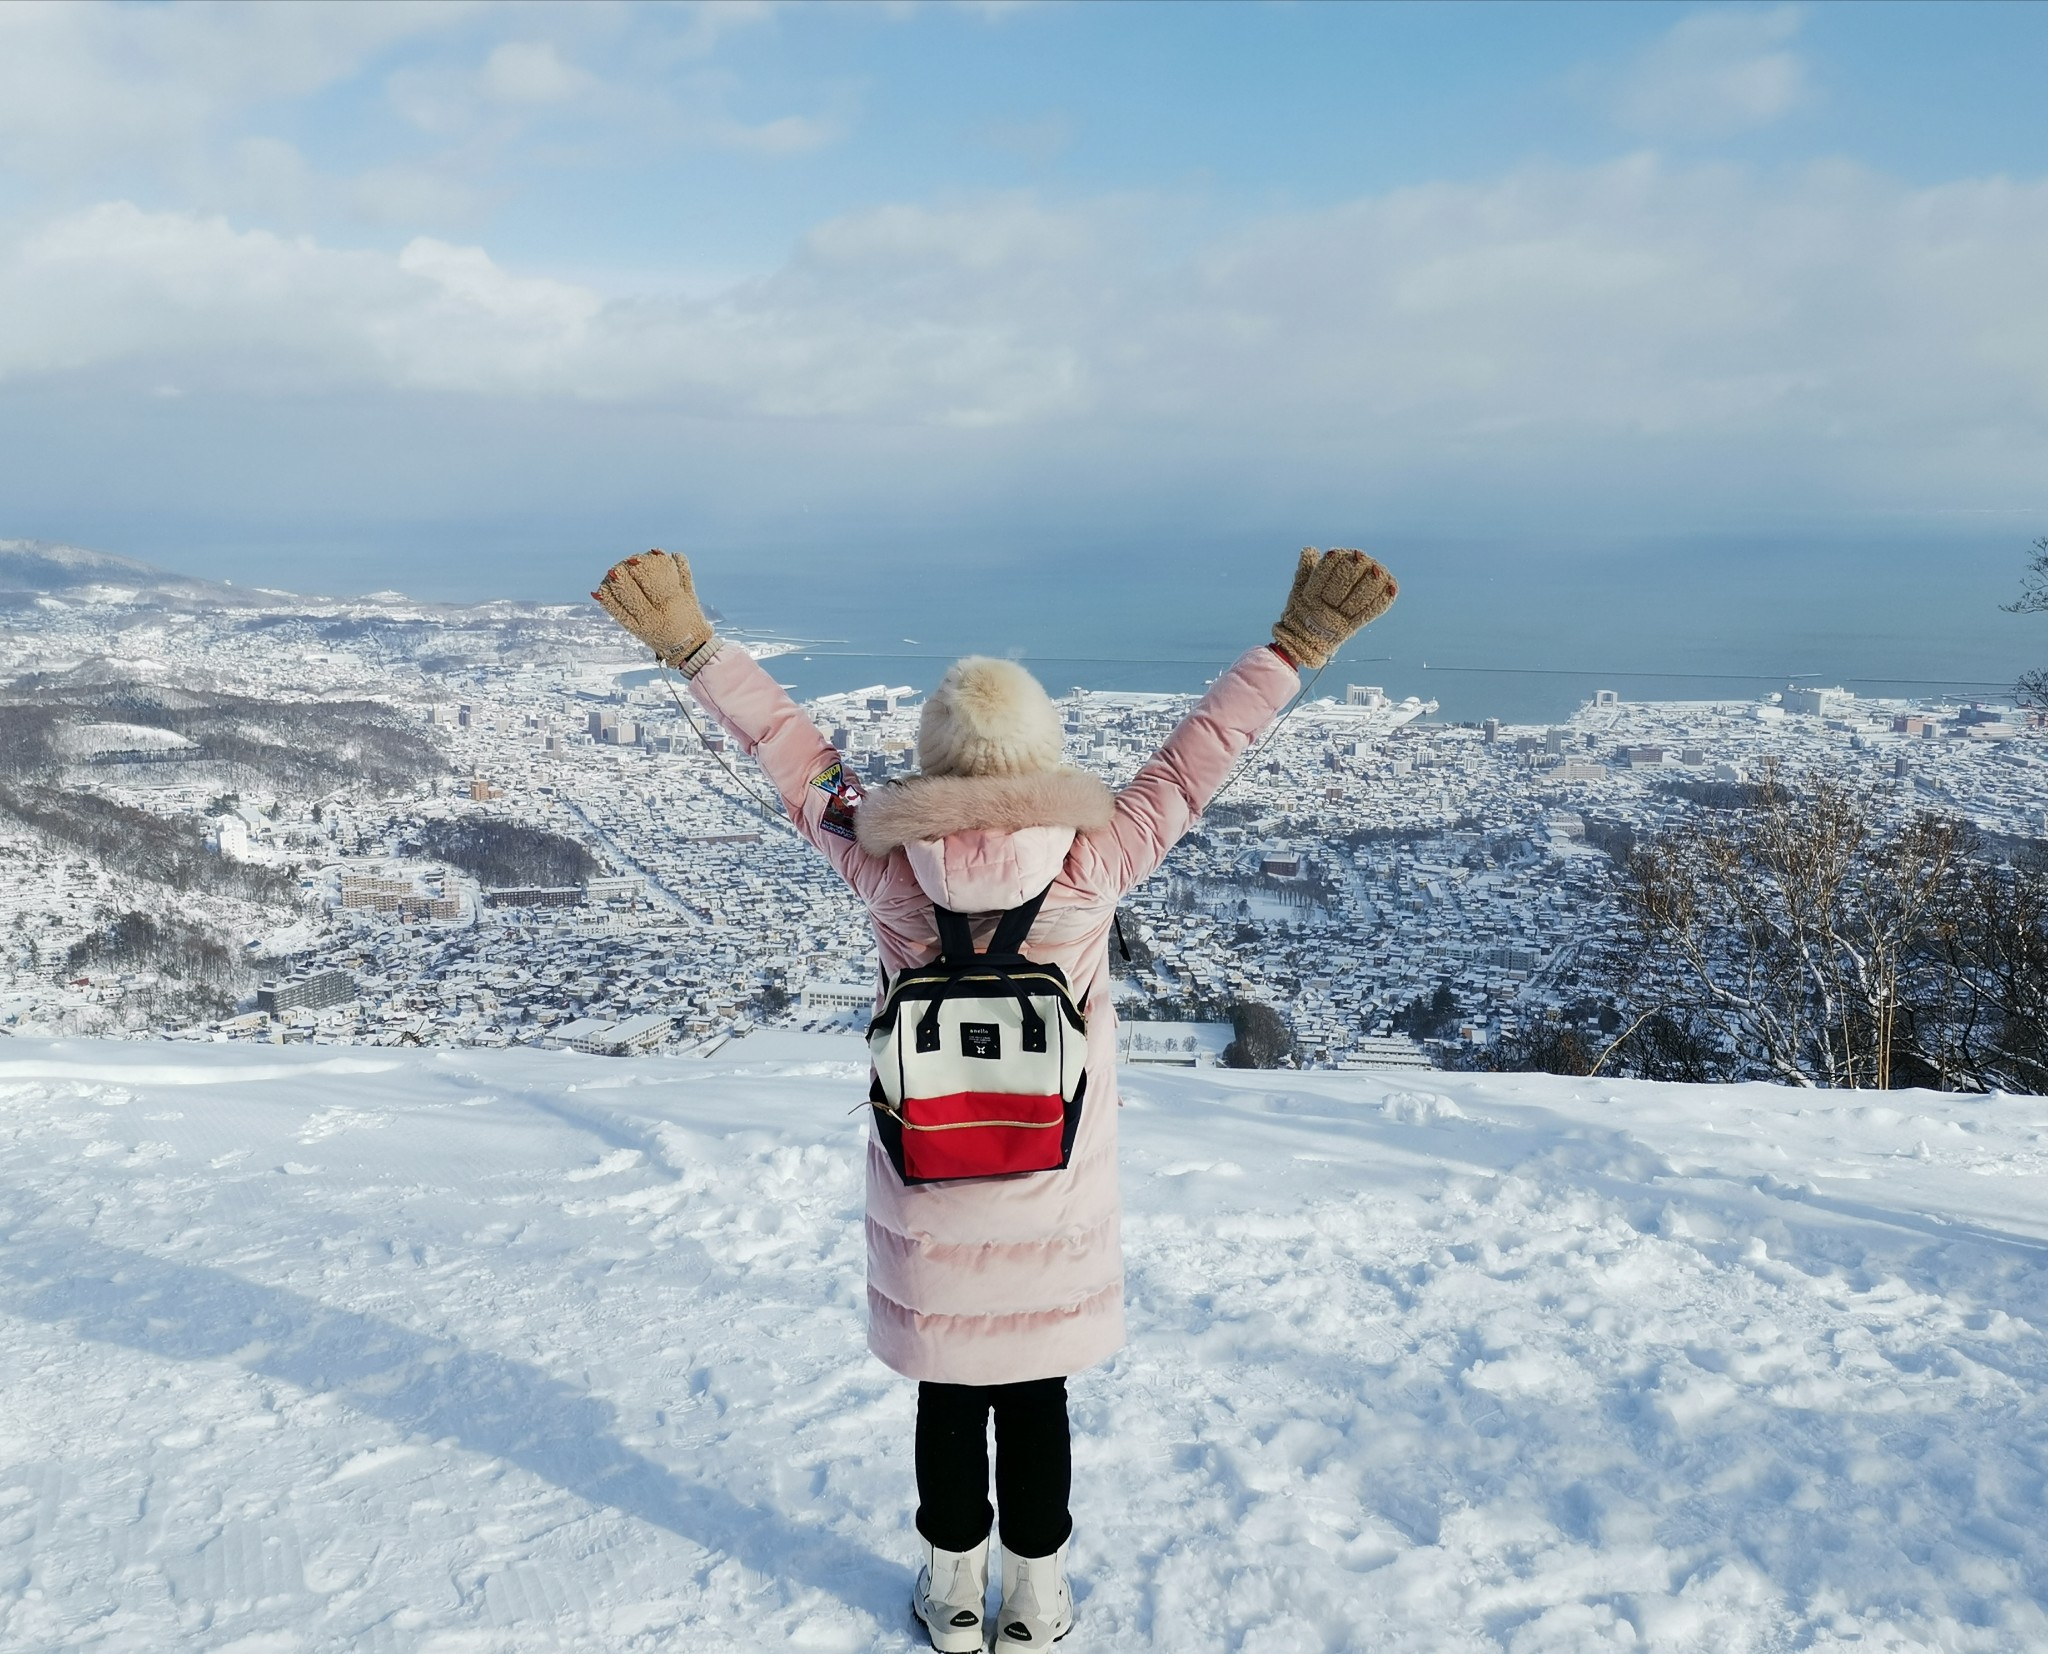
(452, 1350)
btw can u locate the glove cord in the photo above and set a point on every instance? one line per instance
(703, 740)
(1257, 747)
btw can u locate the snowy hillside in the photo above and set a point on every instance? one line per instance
(457, 1350)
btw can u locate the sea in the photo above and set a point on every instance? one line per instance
(1521, 628)
(1526, 635)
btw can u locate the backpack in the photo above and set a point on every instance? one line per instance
(979, 1058)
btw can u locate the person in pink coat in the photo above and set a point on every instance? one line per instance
(990, 1292)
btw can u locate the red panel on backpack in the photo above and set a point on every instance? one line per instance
(982, 1134)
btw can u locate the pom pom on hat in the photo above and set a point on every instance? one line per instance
(988, 717)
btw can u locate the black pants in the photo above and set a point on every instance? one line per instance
(1034, 1465)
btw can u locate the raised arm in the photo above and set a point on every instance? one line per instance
(1167, 795)
(806, 770)
(1334, 594)
(655, 599)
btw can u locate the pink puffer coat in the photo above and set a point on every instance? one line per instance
(998, 1280)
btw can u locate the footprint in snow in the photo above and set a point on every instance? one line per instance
(619, 1160)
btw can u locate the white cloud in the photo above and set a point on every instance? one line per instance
(522, 84)
(1039, 141)
(996, 11)
(1830, 322)
(267, 177)
(515, 78)
(785, 135)
(411, 194)
(1010, 233)
(178, 100)
(1715, 74)
(80, 84)
(531, 71)
(706, 25)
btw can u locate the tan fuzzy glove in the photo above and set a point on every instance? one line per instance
(654, 598)
(1335, 593)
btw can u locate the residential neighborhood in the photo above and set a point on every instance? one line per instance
(1397, 886)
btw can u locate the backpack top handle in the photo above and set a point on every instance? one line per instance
(957, 952)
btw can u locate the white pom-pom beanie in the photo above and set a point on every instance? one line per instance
(988, 717)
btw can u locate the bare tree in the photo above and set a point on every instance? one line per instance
(1790, 926)
(1670, 1043)
(2032, 689)
(1544, 1048)
(1981, 1017)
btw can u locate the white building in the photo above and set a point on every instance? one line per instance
(1175, 1044)
(1820, 703)
(613, 1039)
(831, 998)
(1387, 1051)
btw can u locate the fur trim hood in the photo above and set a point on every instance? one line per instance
(925, 807)
(988, 717)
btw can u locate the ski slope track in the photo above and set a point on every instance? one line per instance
(323, 1349)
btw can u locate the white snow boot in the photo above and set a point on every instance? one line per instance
(1038, 1609)
(952, 1589)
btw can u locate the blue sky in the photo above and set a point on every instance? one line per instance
(462, 297)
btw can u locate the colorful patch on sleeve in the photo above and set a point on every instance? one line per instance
(843, 794)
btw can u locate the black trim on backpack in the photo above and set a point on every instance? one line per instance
(1073, 1125)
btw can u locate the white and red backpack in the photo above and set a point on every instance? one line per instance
(980, 1059)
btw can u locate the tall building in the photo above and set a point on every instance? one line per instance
(563, 895)
(309, 991)
(375, 892)
(399, 894)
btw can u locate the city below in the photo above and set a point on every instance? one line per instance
(238, 815)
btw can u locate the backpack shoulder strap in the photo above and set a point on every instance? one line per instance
(1016, 924)
(956, 939)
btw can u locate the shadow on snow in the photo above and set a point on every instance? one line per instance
(431, 1387)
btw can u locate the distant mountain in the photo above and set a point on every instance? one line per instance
(47, 568)
(36, 569)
